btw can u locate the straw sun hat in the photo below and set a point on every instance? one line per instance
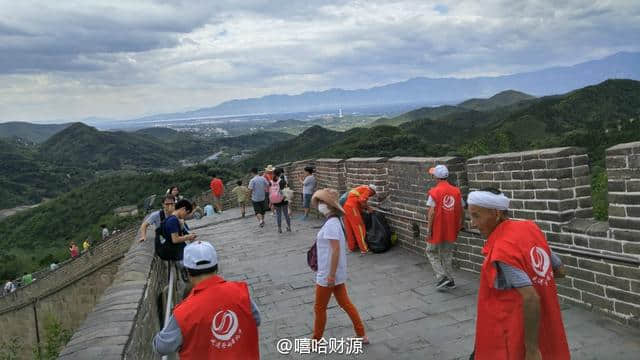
(328, 196)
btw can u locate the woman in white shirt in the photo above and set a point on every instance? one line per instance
(332, 264)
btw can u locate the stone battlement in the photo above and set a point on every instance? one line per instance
(548, 186)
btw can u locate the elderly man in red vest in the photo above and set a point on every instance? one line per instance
(518, 311)
(218, 320)
(444, 221)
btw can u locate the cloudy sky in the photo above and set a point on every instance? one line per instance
(66, 60)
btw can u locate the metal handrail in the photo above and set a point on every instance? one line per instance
(169, 302)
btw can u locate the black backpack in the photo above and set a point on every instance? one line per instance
(165, 248)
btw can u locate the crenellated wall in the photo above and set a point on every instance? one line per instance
(66, 294)
(548, 186)
(123, 322)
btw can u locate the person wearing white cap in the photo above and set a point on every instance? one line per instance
(518, 314)
(445, 218)
(354, 226)
(218, 320)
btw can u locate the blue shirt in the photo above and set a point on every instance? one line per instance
(259, 186)
(172, 226)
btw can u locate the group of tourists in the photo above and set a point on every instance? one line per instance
(271, 191)
(518, 315)
(11, 286)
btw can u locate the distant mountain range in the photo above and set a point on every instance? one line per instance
(467, 109)
(593, 117)
(422, 90)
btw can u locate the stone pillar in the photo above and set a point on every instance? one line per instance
(331, 173)
(365, 171)
(623, 171)
(550, 186)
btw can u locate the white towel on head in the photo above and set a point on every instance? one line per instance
(488, 200)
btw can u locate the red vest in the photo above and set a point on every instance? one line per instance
(217, 188)
(448, 211)
(216, 322)
(500, 324)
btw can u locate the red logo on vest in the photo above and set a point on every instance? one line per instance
(448, 202)
(224, 328)
(540, 262)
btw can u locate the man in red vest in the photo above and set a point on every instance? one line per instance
(218, 320)
(357, 202)
(518, 311)
(444, 221)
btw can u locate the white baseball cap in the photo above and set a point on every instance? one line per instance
(373, 187)
(200, 255)
(440, 171)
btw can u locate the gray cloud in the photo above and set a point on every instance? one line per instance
(143, 57)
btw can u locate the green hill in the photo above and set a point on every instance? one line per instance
(80, 145)
(160, 133)
(36, 133)
(34, 238)
(504, 98)
(422, 113)
(25, 179)
(310, 143)
(254, 140)
(78, 153)
(470, 108)
(594, 117)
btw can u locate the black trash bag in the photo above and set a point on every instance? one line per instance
(378, 232)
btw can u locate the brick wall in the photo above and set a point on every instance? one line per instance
(331, 173)
(623, 171)
(365, 171)
(408, 183)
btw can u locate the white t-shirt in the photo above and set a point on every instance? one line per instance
(332, 230)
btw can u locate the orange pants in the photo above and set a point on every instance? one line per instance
(323, 295)
(354, 227)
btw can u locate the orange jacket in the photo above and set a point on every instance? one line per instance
(359, 196)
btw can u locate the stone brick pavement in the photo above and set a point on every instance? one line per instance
(404, 316)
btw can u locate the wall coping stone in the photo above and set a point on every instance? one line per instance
(542, 153)
(626, 148)
(414, 159)
(329, 160)
(369, 159)
(587, 226)
(283, 165)
(302, 161)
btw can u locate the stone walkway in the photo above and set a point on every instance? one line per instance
(404, 316)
